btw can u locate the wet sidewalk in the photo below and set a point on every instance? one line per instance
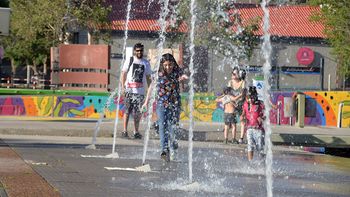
(203, 131)
(47, 165)
(18, 179)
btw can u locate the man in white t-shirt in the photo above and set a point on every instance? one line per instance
(136, 72)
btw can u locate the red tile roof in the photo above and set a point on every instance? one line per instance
(285, 21)
(141, 25)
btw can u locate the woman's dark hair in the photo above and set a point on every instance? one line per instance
(235, 69)
(170, 58)
(242, 74)
(227, 90)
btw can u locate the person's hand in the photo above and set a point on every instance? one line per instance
(183, 77)
(144, 107)
(261, 120)
(241, 118)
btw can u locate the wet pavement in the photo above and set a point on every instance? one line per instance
(218, 170)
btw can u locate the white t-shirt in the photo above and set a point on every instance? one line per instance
(136, 76)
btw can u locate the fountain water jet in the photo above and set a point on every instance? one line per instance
(97, 128)
(119, 86)
(191, 92)
(162, 23)
(266, 47)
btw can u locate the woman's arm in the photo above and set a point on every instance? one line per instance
(149, 91)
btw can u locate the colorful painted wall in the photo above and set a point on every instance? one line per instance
(326, 106)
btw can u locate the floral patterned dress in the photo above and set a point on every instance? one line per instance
(168, 90)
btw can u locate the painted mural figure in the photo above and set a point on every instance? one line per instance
(253, 115)
(238, 90)
(136, 72)
(168, 105)
(227, 99)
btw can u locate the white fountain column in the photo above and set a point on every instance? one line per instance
(191, 92)
(266, 47)
(162, 23)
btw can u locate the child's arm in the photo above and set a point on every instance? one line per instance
(243, 116)
(218, 99)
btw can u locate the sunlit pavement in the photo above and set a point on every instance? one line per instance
(203, 131)
(218, 169)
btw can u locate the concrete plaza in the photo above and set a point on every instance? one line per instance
(48, 157)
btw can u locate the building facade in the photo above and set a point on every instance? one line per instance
(80, 67)
(292, 32)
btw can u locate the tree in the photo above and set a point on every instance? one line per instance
(335, 16)
(92, 15)
(37, 25)
(219, 26)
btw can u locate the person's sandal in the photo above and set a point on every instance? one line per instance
(234, 141)
(165, 156)
(137, 135)
(125, 134)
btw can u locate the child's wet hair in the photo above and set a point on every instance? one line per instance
(252, 93)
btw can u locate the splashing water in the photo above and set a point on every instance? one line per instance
(162, 23)
(111, 96)
(266, 47)
(101, 115)
(191, 92)
(119, 86)
(149, 4)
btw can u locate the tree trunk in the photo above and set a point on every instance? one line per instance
(13, 67)
(34, 67)
(45, 66)
(13, 70)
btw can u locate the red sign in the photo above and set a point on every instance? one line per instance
(305, 56)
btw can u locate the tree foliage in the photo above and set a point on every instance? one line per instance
(37, 25)
(219, 26)
(336, 19)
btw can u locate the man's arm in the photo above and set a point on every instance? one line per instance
(123, 79)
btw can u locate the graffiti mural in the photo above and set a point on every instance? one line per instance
(324, 108)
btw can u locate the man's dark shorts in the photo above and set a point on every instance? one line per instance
(133, 103)
(230, 118)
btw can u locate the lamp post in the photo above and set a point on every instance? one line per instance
(321, 73)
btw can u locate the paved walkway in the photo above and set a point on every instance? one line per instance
(17, 177)
(203, 131)
(219, 170)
